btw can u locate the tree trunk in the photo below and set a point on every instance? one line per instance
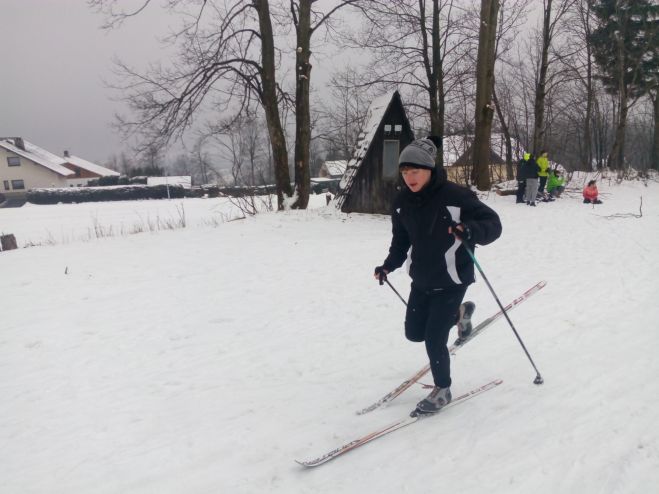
(302, 112)
(588, 138)
(654, 157)
(540, 92)
(432, 62)
(270, 104)
(617, 155)
(438, 72)
(510, 172)
(484, 84)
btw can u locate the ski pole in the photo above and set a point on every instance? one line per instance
(396, 292)
(538, 378)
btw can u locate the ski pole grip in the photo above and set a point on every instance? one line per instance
(382, 275)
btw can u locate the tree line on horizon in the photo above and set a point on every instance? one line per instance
(581, 81)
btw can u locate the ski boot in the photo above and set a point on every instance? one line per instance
(433, 403)
(464, 321)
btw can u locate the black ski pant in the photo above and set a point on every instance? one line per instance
(430, 316)
(521, 186)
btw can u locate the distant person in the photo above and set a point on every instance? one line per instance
(543, 165)
(590, 193)
(521, 181)
(555, 183)
(530, 172)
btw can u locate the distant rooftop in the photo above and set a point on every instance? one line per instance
(26, 149)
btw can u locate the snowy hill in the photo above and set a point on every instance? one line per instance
(207, 359)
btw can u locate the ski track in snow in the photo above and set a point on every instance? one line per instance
(206, 359)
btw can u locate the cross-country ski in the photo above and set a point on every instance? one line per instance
(454, 348)
(394, 426)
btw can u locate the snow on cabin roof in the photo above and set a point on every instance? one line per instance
(37, 155)
(336, 167)
(374, 116)
(92, 167)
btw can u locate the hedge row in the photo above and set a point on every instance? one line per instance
(135, 192)
(116, 193)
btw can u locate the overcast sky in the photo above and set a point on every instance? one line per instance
(54, 86)
(54, 63)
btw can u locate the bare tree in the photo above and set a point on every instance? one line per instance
(241, 145)
(202, 162)
(418, 45)
(230, 59)
(584, 16)
(343, 115)
(484, 84)
(550, 25)
(654, 157)
(307, 22)
(511, 15)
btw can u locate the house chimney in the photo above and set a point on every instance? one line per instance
(18, 142)
(66, 154)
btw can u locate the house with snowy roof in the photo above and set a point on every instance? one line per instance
(371, 178)
(24, 166)
(333, 169)
(85, 170)
(329, 176)
(458, 162)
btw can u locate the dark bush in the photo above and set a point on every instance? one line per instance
(99, 194)
(105, 181)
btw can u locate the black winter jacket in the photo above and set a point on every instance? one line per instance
(530, 169)
(421, 220)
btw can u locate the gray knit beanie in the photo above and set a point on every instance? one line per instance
(420, 153)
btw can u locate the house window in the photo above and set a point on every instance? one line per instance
(17, 184)
(13, 161)
(6, 182)
(390, 158)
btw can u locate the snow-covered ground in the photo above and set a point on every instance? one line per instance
(64, 223)
(207, 359)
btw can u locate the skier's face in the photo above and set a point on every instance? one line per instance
(415, 178)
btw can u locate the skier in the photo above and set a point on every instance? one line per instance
(435, 216)
(521, 179)
(530, 171)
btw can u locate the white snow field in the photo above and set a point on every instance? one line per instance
(207, 359)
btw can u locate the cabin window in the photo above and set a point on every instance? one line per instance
(17, 184)
(13, 161)
(6, 182)
(390, 158)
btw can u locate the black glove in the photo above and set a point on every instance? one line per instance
(464, 234)
(381, 274)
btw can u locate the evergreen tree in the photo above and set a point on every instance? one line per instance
(626, 48)
(634, 23)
